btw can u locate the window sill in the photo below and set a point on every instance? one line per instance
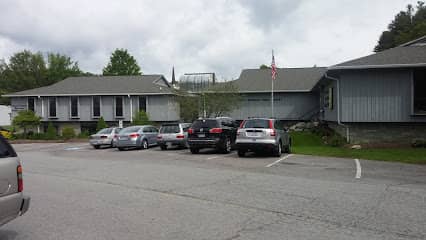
(418, 114)
(94, 117)
(50, 117)
(78, 117)
(119, 117)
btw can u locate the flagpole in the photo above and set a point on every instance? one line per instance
(272, 83)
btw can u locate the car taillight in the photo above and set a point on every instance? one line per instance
(271, 126)
(104, 137)
(242, 124)
(190, 131)
(216, 130)
(159, 137)
(273, 132)
(115, 136)
(239, 131)
(134, 135)
(20, 180)
(180, 136)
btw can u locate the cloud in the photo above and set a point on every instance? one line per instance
(220, 36)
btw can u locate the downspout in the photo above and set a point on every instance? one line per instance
(131, 107)
(338, 105)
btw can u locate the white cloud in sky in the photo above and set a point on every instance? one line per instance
(221, 36)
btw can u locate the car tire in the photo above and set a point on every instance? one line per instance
(97, 146)
(120, 149)
(226, 147)
(163, 147)
(277, 150)
(144, 144)
(194, 150)
(241, 153)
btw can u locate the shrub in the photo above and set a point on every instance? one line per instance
(68, 132)
(51, 131)
(336, 141)
(141, 118)
(84, 134)
(101, 124)
(418, 143)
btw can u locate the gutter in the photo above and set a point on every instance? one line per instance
(338, 105)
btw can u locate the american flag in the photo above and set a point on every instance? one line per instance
(273, 67)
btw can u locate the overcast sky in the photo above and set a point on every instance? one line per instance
(221, 36)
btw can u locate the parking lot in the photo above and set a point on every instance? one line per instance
(82, 193)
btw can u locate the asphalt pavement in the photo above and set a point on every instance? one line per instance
(81, 193)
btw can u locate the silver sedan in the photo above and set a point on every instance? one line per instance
(140, 137)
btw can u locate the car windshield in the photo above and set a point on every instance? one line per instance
(105, 131)
(205, 123)
(170, 129)
(130, 129)
(256, 123)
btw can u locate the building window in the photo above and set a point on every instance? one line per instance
(96, 106)
(31, 104)
(419, 89)
(328, 98)
(119, 107)
(142, 104)
(52, 107)
(74, 106)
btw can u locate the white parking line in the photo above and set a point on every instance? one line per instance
(279, 160)
(358, 169)
(210, 158)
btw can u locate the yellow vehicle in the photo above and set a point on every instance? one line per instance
(6, 133)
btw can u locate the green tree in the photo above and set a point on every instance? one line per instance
(141, 118)
(263, 66)
(121, 63)
(406, 26)
(218, 100)
(26, 119)
(51, 131)
(25, 70)
(101, 124)
(60, 67)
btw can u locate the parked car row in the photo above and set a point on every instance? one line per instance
(222, 133)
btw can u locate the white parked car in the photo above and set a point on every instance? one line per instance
(105, 137)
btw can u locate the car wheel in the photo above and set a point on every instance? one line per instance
(97, 146)
(194, 150)
(226, 148)
(144, 144)
(278, 150)
(121, 149)
(241, 153)
(163, 147)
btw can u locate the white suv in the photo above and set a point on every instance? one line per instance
(260, 134)
(13, 203)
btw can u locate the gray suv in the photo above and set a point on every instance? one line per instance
(260, 134)
(173, 134)
(13, 203)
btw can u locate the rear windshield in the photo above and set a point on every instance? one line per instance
(205, 123)
(5, 149)
(105, 131)
(256, 123)
(170, 129)
(130, 129)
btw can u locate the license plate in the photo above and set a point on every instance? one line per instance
(201, 135)
(124, 138)
(253, 134)
(254, 139)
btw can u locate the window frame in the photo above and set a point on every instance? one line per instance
(115, 107)
(78, 107)
(413, 96)
(93, 107)
(139, 103)
(56, 107)
(34, 104)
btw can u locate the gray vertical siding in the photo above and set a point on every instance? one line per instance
(288, 106)
(376, 96)
(328, 114)
(160, 108)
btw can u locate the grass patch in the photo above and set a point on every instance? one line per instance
(311, 144)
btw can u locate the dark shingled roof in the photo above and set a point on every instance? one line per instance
(288, 79)
(402, 56)
(102, 85)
